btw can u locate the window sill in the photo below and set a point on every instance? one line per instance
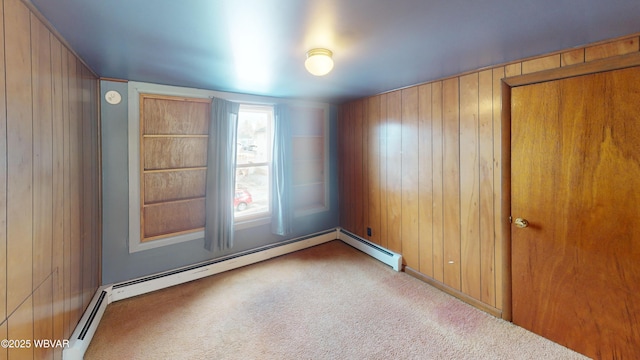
(310, 210)
(141, 246)
(249, 223)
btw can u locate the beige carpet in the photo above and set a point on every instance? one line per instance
(327, 302)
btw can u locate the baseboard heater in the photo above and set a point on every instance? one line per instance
(163, 280)
(386, 256)
(82, 335)
(105, 295)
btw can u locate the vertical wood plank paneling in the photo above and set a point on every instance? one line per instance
(42, 178)
(43, 317)
(351, 168)
(359, 171)
(614, 48)
(394, 170)
(362, 104)
(540, 64)
(461, 213)
(96, 184)
(3, 184)
(498, 216)
(75, 112)
(349, 151)
(58, 193)
(384, 208)
(373, 114)
(410, 179)
(339, 145)
(347, 157)
(451, 180)
(487, 229)
(42, 186)
(341, 166)
(4, 352)
(86, 160)
(19, 156)
(513, 70)
(42, 152)
(66, 124)
(346, 149)
(438, 180)
(425, 180)
(572, 57)
(469, 186)
(20, 323)
(88, 163)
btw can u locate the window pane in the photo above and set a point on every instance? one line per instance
(252, 191)
(254, 137)
(253, 162)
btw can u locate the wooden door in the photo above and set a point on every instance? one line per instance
(576, 179)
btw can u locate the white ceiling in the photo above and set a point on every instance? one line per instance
(258, 46)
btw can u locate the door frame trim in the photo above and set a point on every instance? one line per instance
(596, 66)
(593, 67)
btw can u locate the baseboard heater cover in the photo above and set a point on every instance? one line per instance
(163, 280)
(86, 328)
(82, 335)
(378, 252)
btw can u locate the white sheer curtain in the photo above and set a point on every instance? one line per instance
(221, 175)
(281, 208)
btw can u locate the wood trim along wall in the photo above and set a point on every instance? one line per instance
(113, 80)
(454, 292)
(505, 218)
(607, 64)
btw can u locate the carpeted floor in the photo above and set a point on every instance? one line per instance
(327, 302)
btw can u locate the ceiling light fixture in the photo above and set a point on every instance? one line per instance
(319, 61)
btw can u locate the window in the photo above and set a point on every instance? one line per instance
(253, 162)
(167, 137)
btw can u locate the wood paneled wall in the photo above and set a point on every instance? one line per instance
(422, 168)
(49, 184)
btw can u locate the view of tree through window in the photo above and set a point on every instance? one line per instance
(253, 167)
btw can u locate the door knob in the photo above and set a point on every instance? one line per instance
(521, 223)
